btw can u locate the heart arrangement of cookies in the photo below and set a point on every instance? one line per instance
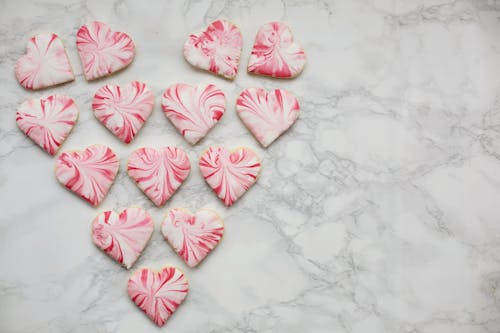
(159, 173)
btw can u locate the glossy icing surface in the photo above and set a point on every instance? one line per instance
(122, 236)
(193, 110)
(159, 173)
(229, 173)
(193, 236)
(88, 173)
(158, 293)
(267, 114)
(275, 53)
(45, 63)
(217, 49)
(123, 109)
(103, 51)
(47, 121)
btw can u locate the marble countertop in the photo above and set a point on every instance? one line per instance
(379, 211)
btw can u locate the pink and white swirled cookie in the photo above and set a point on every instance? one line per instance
(275, 53)
(267, 114)
(47, 121)
(217, 49)
(158, 293)
(229, 173)
(123, 109)
(88, 173)
(103, 51)
(45, 63)
(193, 236)
(193, 110)
(159, 173)
(123, 236)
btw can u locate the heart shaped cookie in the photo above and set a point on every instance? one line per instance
(192, 236)
(229, 174)
(89, 173)
(217, 49)
(123, 109)
(45, 63)
(158, 294)
(159, 173)
(193, 110)
(103, 51)
(123, 236)
(47, 121)
(267, 115)
(275, 53)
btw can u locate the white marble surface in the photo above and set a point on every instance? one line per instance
(378, 212)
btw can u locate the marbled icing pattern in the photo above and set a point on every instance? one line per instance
(267, 115)
(103, 51)
(47, 121)
(217, 49)
(88, 173)
(158, 293)
(123, 109)
(45, 63)
(275, 53)
(193, 110)
(229, 173)
(377, 211)
(159, 173)
(193, 236)
(123, 236)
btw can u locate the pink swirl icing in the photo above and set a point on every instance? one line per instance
(159, 173)
(47, 121)
(124, 236)
(123, 109)
(275, 53)
(158, 294)
(230, 174)
(193, 110)
(45, 63)
(217, 49)
(89, 173)
(103, 51)
(267, 115)
(192, 236)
